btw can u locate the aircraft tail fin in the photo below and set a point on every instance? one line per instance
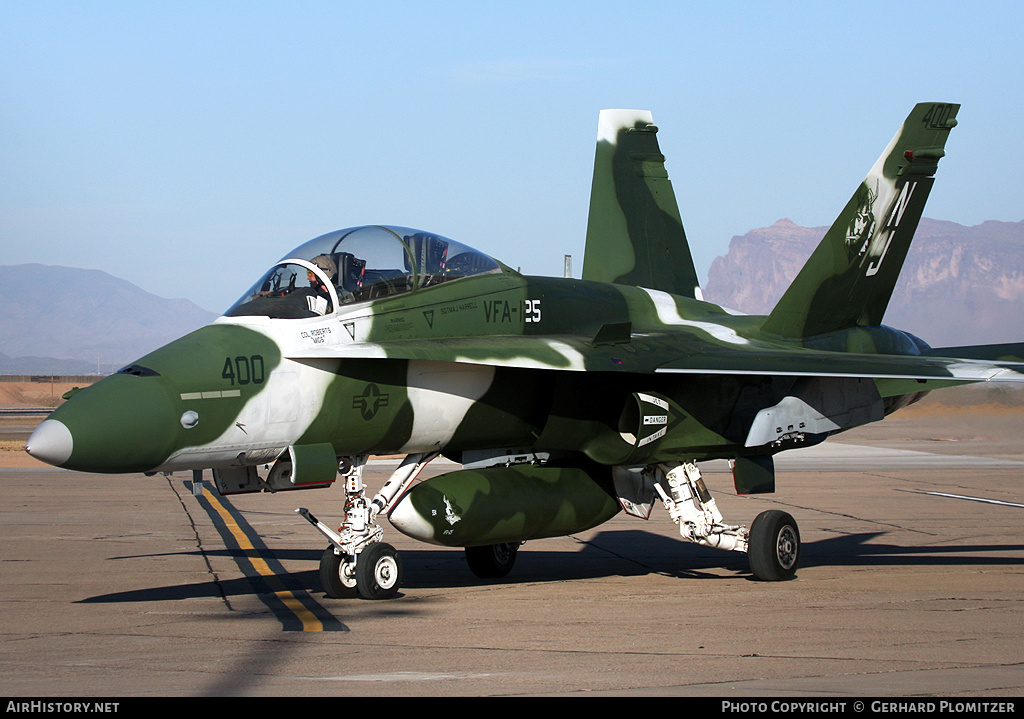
(634, 233)
(849, 278)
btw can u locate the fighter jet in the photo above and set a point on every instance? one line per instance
(565, 401)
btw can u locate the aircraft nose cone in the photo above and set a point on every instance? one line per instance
(123, 423)
(51, 442)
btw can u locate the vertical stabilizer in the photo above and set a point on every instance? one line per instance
(634, 232)
(849, 278)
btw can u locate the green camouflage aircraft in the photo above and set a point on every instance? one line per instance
(564, 400)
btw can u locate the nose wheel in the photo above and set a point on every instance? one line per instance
(378, 571)
(338, 575)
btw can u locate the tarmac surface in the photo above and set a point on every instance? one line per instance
(910, 584)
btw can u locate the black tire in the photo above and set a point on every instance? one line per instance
(773, 546)
(336, 575)
(378, 571)
(492, 561)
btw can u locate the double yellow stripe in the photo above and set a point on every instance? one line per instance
(309, 622)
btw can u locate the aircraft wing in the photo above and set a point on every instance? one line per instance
(649, 354)
(820, 363)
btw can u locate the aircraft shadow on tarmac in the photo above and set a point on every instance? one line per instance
(608, 554)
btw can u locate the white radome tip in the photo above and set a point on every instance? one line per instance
(51, 442)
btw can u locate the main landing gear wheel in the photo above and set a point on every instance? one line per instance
(773, 546)
(337, 575)
(492, 561)
(378, 571)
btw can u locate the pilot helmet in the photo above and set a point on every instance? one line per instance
(326, 264)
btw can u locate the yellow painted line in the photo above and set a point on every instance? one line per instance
(309, 622)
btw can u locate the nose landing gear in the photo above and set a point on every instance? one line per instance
(357, 562)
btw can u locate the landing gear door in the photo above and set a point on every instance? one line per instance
(313, 464)
(237, 480)
(634, 490)
(754, 475)
(317, 468)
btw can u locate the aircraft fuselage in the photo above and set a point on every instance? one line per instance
(243, 389)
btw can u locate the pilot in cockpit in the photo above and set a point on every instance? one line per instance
(318, 298)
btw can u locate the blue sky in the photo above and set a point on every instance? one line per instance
(186, 146)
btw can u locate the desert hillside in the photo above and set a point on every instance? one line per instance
(63, 320)
(959, 285)
(15, 395)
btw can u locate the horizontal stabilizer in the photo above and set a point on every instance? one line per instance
(1009, 353)
(818, 363)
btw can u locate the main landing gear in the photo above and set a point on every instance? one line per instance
(772, 543)
(357, 562)
(492, 561)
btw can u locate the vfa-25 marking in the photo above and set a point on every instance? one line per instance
(560, 401)
(503, 311)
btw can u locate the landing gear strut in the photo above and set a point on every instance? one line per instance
(772, 543)
(357, 562)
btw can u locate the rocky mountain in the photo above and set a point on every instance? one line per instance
(959, 285)
(59, 320)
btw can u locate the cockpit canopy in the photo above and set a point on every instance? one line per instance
(356, 265)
